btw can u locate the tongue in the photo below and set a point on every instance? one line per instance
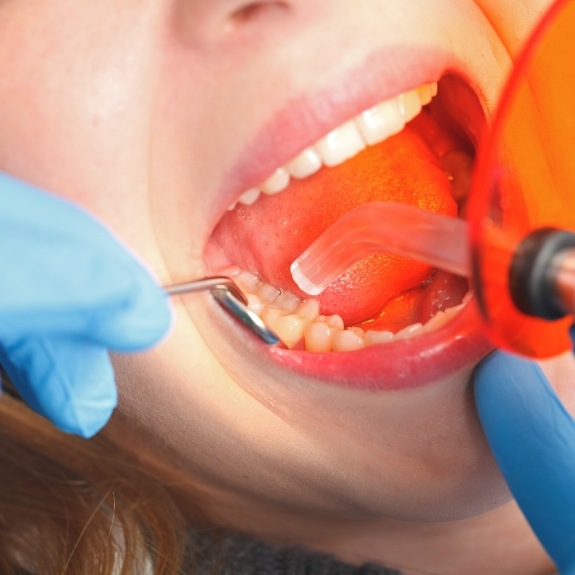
(265, 238)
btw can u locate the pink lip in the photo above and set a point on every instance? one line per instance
(307, 118)
(403, 364)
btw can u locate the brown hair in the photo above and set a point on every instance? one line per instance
(78, 507)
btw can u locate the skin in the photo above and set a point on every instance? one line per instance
(132, 112)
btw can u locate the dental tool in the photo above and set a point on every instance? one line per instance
(535, 275)
(541, 276)
(229, 296)
(377, 227)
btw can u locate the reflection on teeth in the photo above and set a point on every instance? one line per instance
(277, 182)
(340, 144)
(290, 329)
(318, 336)
(409, 105)
(308, 310)
(374, 337)
(296, 321)
(304, 164)
(436, 321)
(379, 123)
(409, 331)
(347, 340)
(249, 196)
(370, 127)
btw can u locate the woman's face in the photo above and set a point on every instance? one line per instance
(157, 116)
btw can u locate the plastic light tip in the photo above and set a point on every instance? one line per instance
(301, 279)
(439, 240)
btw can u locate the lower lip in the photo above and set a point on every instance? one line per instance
(405, 364)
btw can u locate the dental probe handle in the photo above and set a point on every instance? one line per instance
(542, 274)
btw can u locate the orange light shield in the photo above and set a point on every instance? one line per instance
(525, 179)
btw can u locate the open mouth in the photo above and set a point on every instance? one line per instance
(416, 148)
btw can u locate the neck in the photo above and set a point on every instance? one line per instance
(496, 542)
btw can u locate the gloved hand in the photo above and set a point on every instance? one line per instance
(69, 293)
(533, 440)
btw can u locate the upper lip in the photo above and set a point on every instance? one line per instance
(306, 118)
(384, 74)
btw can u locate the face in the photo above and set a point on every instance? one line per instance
(158, 116)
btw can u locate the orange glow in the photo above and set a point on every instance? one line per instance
(525, 180)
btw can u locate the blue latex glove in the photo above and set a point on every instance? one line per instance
(533, 439)
(69, 293)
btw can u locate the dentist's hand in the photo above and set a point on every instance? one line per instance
(533, 439)
(69, 292)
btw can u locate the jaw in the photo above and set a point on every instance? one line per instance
(417, 356)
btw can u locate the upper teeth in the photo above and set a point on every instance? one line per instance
(367, 128)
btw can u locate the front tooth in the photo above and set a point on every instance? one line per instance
(340, 144)
(277, 182)
(304, 164)
(380, 122)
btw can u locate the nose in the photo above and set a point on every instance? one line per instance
(209, 21)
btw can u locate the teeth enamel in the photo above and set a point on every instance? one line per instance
(277, 182)
(379, 123)
(340, 144)
(305, 164)
(347, 340)
(299, 323)
(409, 105)
(370, 127)
(249, 196)
(409, 331)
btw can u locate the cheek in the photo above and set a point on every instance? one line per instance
(512, 21)
(70, 120)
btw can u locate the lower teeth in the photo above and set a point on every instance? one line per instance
(299, 324)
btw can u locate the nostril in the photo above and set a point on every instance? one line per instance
(212, 21)
(256, 10)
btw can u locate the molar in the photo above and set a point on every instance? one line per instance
(296, 321)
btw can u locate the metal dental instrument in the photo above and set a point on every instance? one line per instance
(229, 297)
